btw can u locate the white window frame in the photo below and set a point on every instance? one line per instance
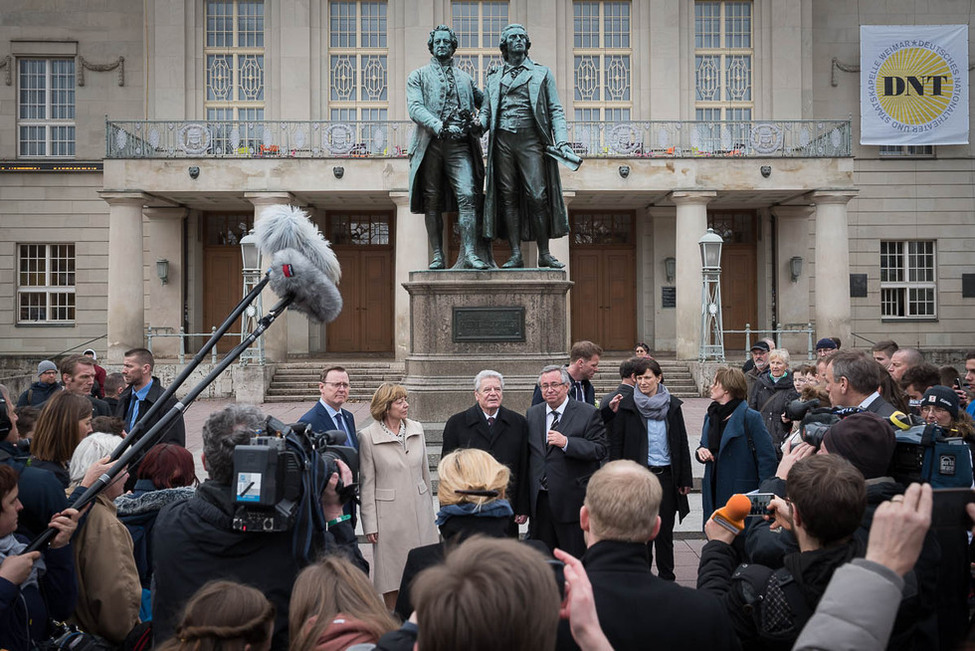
(608, 110)
(906, 151)
(47, 122)
(902, 274)
(357, 108)
(55, 295)
(729, 109)
(477, 60)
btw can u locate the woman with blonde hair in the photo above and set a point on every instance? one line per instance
(395, 492)
(472, 502)
(333, 606)
(224, 616)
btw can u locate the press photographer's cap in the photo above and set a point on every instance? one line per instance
(45, 366)
(760, 345)
(825, 344)
(941, 396)
(865, 440)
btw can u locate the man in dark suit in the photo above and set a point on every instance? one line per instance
(78, 377)
(143, 391)
(852, 379)
(499, 431)
(328, 414)
(566, 443)
(582, 367)
(627, 381)
(619, 516)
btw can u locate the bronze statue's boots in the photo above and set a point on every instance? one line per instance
(515, 261)
(546, 259)
(467, 236)
(434, 223)
(437, 262)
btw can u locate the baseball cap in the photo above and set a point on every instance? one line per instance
(760, 345)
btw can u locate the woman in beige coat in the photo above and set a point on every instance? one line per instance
(397, 500)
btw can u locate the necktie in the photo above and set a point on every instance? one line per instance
(490, 421)
(340, 421)
(580, 392)
(555, 419)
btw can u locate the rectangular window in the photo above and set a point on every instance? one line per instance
(234, 55)
(906, 151)
(908, 280)
(357, 62)
(478, 27)
(46, 283)
(723, 55)
(601, 60)
(46, 108)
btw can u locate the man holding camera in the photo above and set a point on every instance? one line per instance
(195, 541)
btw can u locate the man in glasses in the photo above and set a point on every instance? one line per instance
(328, 414)
(500, 432)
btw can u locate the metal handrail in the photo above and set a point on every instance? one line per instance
(777, 332)
(156, 332)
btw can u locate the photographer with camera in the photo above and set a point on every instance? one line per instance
(196, 541)
(865, 440)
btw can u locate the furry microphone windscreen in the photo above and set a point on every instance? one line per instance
(292, 274)
(288, 227)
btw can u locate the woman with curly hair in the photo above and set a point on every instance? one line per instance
(224, 616)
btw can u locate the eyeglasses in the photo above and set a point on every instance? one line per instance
(338, 385)
(551, 387)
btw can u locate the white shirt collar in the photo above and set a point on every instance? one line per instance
(869, 400)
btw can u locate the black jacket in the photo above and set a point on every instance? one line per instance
(506, 441)
(194, 542)
(770, 398)
(175, 433)
(627, 433)
(38, 394)
(638, 610)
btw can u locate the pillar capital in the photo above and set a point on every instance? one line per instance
(693, 197)
(262, 199)
(841, 196)
(401, 199)
(792, 212)
(568, 196)
(125, 198)
(166, 213)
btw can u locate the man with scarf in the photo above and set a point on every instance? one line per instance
(768, 608)
(648, 428)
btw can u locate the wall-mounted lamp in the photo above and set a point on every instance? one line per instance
(624, 171)
(338, 172)
(162, 270)
(795, 266)
(670, 268)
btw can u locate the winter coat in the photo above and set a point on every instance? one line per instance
(627, 433)
(195, 542)
(397, 499)
(738, 468)
(26, 610)
(109, 593)
(769, 398)
(38, 394)
(138, 511)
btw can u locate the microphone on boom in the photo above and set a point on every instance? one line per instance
(314, 294)
(288, 227)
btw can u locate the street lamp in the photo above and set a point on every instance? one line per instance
(251, 256)
(712, 329)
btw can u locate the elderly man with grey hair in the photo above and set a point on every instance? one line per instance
(497, 430)
(566, 444)
(195, 541)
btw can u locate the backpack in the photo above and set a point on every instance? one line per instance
(774, 602)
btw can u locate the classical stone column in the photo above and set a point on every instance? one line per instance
(166, 301)
(832, 280)
(275, 337)
(411, 251)
(126, 297)
(560, 249)
(692, 224)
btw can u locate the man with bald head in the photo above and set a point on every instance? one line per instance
(619, 516)
(903, 359)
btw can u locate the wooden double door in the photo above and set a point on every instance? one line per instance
(739, 276)
(602, 257)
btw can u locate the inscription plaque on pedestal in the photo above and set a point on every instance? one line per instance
(486, 324)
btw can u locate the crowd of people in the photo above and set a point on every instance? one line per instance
(843, 556)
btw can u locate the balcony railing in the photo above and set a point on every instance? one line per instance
(391, 139)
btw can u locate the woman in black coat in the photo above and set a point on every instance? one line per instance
(648, 428)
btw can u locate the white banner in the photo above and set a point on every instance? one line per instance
(913, 84)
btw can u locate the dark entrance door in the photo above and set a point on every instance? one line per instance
(739, 279)
(223, 281)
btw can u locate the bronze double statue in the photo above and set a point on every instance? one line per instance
(520, 109)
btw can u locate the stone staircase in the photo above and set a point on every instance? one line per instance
(677, 377)
(298, 380)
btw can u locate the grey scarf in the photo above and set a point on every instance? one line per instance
(10, 546)
(653, 407)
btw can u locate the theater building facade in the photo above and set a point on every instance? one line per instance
(140, 141)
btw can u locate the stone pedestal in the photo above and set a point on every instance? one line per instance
(461, 322)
